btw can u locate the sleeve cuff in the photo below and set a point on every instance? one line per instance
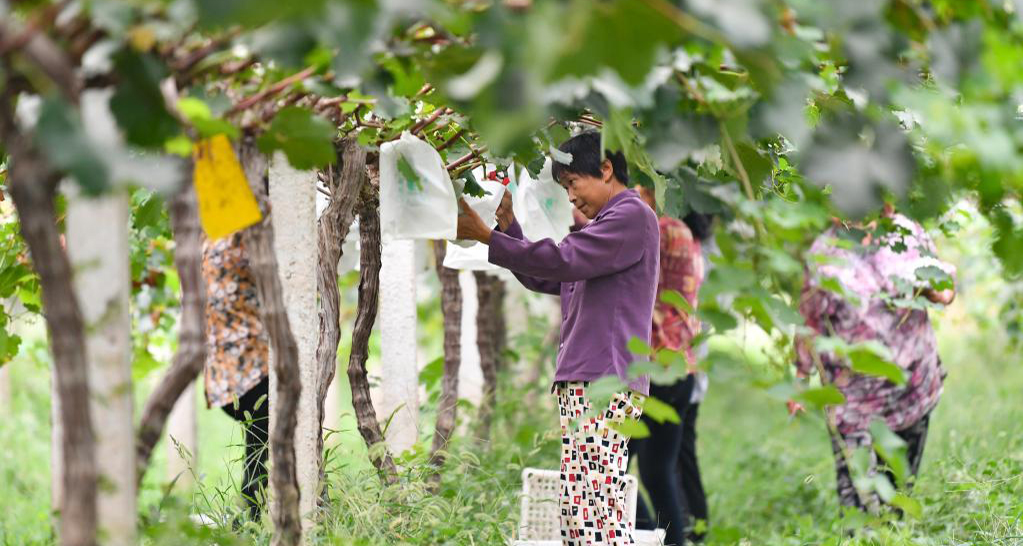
(501, 244)
(514, 230)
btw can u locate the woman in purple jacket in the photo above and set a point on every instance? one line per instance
(606, 275)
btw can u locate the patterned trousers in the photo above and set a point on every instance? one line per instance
(594, 460)
(915, 437)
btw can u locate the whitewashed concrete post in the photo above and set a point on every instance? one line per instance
(470, 374)
(98, 247)
(293, 202)
(399, 375)
(182, 440)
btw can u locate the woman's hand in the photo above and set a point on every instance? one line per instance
(470, 225)
(580, 218)
(505, 214)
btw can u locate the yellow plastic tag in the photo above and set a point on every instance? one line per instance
(226, 203)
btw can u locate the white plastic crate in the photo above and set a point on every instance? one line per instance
(540, 523)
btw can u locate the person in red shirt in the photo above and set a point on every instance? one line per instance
(660, 454)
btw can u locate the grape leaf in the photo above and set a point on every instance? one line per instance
(828, 395)
(660, 411)
(639, 347)
(60, 135)
(632, 428)
(307, 140)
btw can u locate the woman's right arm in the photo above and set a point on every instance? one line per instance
(543, 286)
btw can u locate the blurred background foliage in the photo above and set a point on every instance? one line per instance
(774, 115)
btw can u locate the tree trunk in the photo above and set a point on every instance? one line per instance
(32, 187)
(451, 306)
(344, 184)
(260, 243)
(369, 293)
(293, 200)
(487, 341)
(67, 340)
(98, 247)
(191, 354)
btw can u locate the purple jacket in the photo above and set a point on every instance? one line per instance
(606, 275)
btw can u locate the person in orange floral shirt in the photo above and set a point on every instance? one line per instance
(237, 355)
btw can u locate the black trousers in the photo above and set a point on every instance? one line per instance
(915, 437)
(252, 410)
(689, 473)
(661, 467)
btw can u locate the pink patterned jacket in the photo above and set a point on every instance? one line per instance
(871, 275)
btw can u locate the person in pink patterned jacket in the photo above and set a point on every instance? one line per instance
(868, 285)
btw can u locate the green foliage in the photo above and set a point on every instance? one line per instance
(307, 140)
(633, 428)
(472, 187)
(619, 135)
(201, 117)
(60, 128)
(774, 116)
(155, 288)
(409, 175)
(660, 411)
(639, 347)
(623, 35)
(891, 449)
(869, 358)
(137, 103)
(674, 298)
(9, 343)
(819, 397)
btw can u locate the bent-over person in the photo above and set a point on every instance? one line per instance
(873, 273)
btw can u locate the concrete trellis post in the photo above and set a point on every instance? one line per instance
(400, 373)
(470, 374)
(182, 442)
(97, 243)
(293, 201)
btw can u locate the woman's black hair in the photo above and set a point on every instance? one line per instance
(700, 224)
(587, 159)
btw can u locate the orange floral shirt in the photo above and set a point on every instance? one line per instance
(681, 270)
(237, 347)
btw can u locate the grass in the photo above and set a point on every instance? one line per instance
(770, 478)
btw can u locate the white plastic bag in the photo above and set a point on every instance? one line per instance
(410, 210)
(542, 206)
(485, 206)
(473, 258)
